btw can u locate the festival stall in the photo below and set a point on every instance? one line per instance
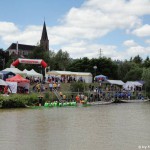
(36, 74)
(84, 76)
(3, 83)
(32, 73)
(4, 89)
(15, 71)
(18, 84)
(100, 77)
(132, 85)
(115, 82)
(6, 74)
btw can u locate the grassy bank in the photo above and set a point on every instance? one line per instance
(25, 100)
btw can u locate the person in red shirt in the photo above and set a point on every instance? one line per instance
(6, 90)
(77, 99)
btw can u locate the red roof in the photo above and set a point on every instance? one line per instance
(17, 78)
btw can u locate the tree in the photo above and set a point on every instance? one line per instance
(137, 59)
(38, 53)
(134, 74)
(61, 60)
(146, 63)
(146, 78)
(124, 68)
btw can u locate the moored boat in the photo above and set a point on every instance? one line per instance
(134, 101)
(101, 102)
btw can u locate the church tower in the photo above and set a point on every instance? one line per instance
(44, 42)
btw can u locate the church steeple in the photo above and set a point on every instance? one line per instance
(44, 42)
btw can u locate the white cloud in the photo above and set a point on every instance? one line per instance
(81, 26)
(147, 41)
(130, 43)
(138, 50)
(142, 31)
(8, 28)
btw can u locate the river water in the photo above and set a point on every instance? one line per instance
(124, 126)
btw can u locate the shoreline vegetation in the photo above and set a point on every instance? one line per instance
(32, 99)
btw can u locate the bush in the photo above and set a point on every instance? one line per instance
(18, 101)
(78, 87)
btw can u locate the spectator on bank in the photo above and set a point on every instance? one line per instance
(55, 85)
(50, 86)
(77, 99)
(6, 89)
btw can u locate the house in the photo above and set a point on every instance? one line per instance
(23, 50)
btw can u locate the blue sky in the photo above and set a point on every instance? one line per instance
(81, 27)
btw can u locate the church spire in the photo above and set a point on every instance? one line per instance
(44, 42)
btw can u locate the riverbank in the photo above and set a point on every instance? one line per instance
(32, 99)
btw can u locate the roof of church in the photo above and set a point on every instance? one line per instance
(44, 33)
(21, 46)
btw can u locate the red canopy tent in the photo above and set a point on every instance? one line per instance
(18, 78)
(22, 84)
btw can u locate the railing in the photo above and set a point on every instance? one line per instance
(57, 95)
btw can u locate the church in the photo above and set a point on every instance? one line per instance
(23, 50)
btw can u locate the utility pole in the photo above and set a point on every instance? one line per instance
(100, 53)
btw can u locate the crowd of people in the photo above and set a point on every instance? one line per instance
(108, 92)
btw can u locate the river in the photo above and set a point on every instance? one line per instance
(123, 126)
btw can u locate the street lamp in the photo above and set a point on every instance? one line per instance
(95, 67)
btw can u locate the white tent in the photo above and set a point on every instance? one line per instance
(36, 73)
(86, 76)
(116, 82)
(2, 82)
(32, 73)
(131, 85)
(16, 71)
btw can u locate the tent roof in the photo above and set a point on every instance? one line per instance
(17, 78)
(100, 76)
(15, 70)
(32, 73)
(7, 72)
(136, 83)
(2, 82)
(69, 73)
(117, 82)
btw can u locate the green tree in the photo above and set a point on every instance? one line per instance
(137, 59)
(146, 78)
(134, 74)
(124, 68)
(39, 53)
(61, 60)
(146, 63)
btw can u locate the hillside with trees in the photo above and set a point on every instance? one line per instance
(134, 69)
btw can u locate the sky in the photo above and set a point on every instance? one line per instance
(120, 29)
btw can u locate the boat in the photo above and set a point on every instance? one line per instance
(134, 101)
(100, 102)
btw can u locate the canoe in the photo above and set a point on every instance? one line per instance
(134, 101)
(100, 102)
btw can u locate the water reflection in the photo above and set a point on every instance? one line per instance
(110, 127)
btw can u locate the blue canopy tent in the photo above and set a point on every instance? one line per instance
(101, 77)
(6, 74)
